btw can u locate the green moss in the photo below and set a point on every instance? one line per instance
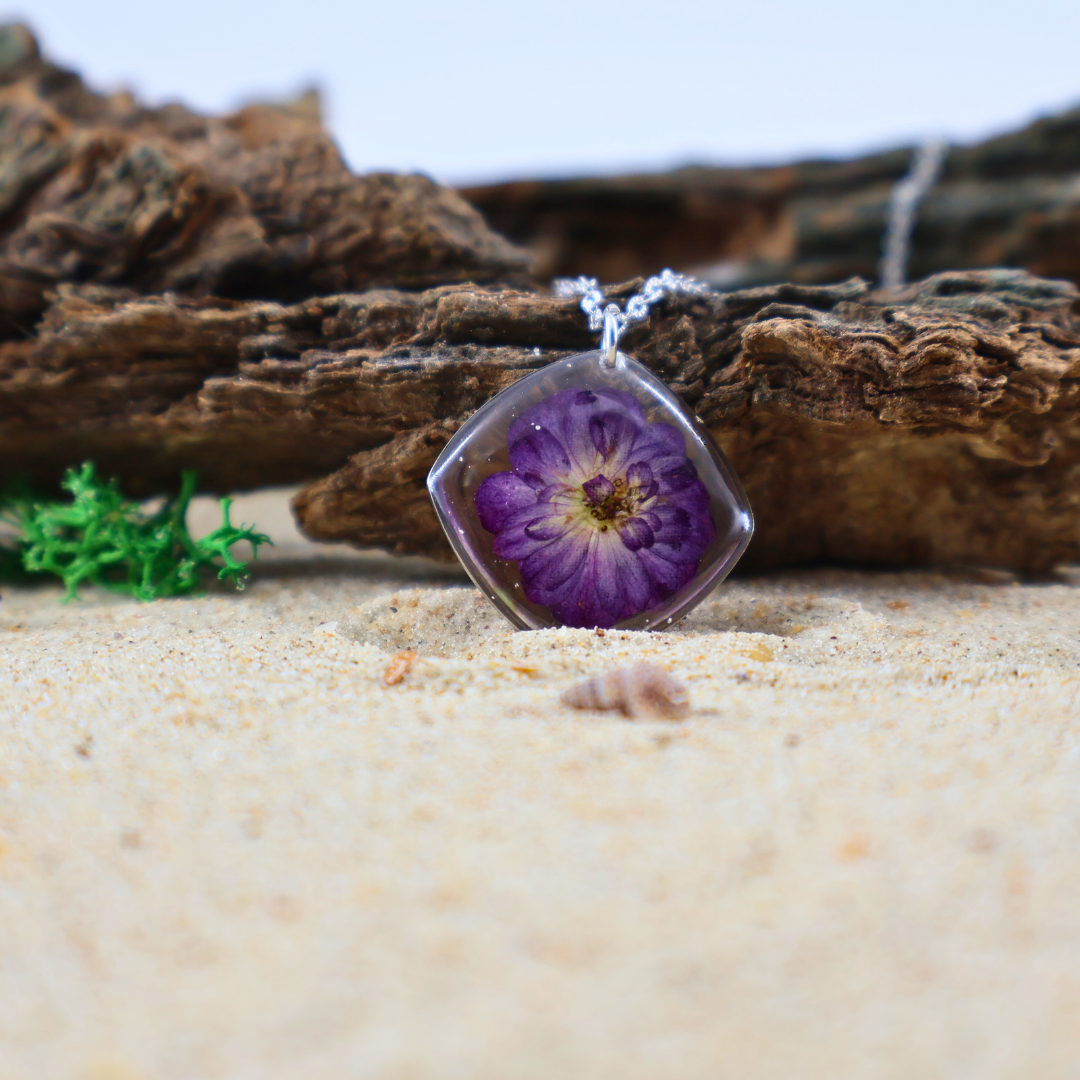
(103, 539)
(11, 556)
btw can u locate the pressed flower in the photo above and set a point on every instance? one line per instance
(602, 511)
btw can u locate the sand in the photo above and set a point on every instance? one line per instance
(229, 850)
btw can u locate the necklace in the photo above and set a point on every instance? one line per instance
(587, 494)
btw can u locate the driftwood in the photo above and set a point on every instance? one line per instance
(936, 425)
(1009, 201)
(180, 291)
(259, 204)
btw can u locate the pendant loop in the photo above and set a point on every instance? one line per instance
(609, 343)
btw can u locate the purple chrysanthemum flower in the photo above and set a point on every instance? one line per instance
(603, 512)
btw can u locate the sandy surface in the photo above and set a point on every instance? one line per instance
(228, 850)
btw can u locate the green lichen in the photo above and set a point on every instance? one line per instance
(101, 538)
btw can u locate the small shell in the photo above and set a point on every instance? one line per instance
(640, 691)
(398, 668)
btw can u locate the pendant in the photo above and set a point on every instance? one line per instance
(588, 495)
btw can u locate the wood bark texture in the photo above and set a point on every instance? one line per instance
(1010, 201)
(258, 204)
(939, 424)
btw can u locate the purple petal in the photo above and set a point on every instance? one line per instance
(557, 594)
(546, 414)
(665, 436)
(529, 528)
(683, 537)
(547, 528)
(639, 475)
(553, 564)
(598, 489)
(695, 494)
(514, 545)
(498, 496)
(621, 401)
(573, 598)
(567, 416)
(661, 451)
(677, 476)
(580, 604)
(694, 499)
(617, 412)
(674, 523)
(612, 432)
(636, 534)
(623, 586)
(666, 576)
(539, 458)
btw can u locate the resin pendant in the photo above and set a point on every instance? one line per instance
(588, 495)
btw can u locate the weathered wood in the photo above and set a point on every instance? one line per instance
(258, 204)
(180, 291)
(936, 425)
(1010, 201)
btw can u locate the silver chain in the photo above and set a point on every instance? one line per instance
(903, 207)
(613, 321)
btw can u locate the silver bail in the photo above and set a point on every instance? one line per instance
(609, 343)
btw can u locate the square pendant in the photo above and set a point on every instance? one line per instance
(588, 495)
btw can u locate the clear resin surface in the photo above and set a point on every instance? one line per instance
(589, 496)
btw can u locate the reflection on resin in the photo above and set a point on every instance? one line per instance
(602, 511)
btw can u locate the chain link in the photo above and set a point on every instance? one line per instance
(926, 167)
(656, 288)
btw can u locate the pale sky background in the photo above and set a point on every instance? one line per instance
(492, 89)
